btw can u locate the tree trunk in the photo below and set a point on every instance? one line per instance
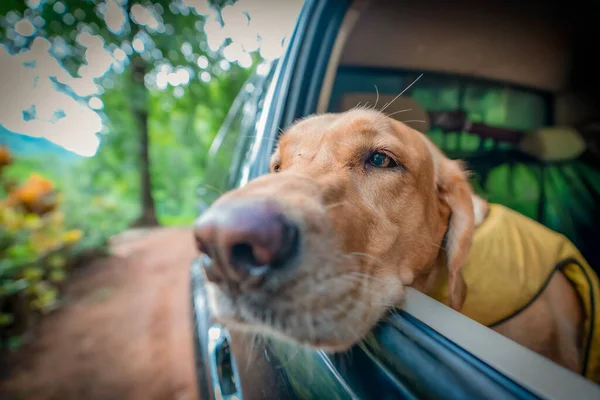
(140, 113)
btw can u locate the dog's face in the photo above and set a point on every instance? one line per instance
(356, 207)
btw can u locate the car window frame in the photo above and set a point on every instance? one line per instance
(295, 93)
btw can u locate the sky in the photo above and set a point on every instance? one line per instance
(30, 103)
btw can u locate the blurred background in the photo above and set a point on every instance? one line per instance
(120, 120)
(107, 112)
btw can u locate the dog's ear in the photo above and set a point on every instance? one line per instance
(480, 209)
(455, 191)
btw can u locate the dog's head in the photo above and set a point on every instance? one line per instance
(357, 206)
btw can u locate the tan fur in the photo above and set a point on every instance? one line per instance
(368, 232)
(551, 326)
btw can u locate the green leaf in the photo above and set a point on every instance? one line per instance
(6, 319)
(57, 275)
(33, 274)
(10, 287)
(57, 261)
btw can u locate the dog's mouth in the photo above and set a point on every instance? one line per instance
(330, 313)
(316, 328)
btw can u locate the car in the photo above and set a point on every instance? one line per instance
(423, 350)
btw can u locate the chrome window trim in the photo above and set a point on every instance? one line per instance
(216, 336)
(327, 361)
(534, 372)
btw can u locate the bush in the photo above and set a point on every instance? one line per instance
(36, 248)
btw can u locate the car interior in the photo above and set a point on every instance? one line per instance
(505, 86)
(509, 88)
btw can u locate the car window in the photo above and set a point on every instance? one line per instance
(235, 137)
(562, 196)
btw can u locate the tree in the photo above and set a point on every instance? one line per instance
(163, 98)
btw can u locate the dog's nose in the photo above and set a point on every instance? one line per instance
(245, 240)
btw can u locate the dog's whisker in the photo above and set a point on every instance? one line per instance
(348, 326)
(364, 255)
(377, 99)
(220, 193)
(351, 279)
(347, 358)
(401, 93)
(398, 112)
(295, 354)
(357, 277)
(333, 205)
(414, 120)
(381, 116)
(253, 343)
(365, 276)
(358, 307)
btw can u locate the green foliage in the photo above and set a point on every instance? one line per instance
(182, 120)
(35, 246)
(101, 194)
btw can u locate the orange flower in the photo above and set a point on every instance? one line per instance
(36, 194)
(5, 156)
(38, 181)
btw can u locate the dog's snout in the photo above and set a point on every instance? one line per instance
(245, 239)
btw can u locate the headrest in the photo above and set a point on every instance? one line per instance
(403, 109)
(556, 143)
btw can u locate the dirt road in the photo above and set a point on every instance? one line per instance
(124, 332)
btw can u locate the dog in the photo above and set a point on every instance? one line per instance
(359, 206)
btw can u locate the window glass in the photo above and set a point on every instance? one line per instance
(234, 140)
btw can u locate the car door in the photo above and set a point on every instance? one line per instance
(424, 350)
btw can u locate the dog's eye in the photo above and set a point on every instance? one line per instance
(276, 167)
(381, 160)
